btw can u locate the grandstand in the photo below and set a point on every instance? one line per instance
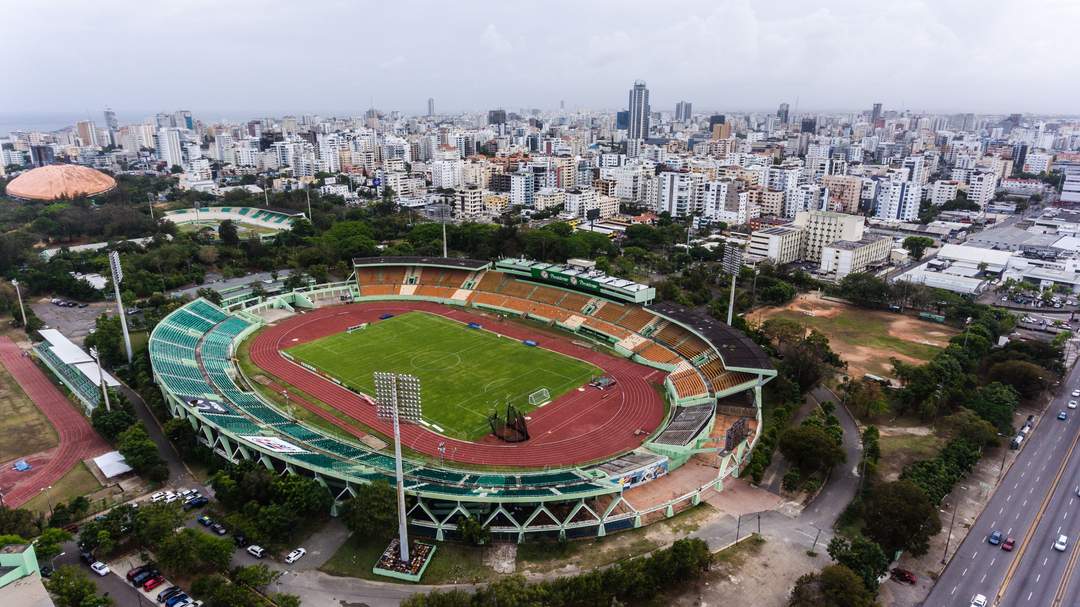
(76, 369)
(556, 490)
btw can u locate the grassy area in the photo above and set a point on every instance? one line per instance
(78, 481)
(24, 429)
(453, 563)
(900, 450)
(464, 373)
(862, 329)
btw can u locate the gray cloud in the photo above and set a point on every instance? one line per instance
(326, 56)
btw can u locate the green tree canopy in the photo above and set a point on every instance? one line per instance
(900, 516)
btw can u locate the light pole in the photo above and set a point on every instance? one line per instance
(52, 561)
(101, 377)
(117, 277)
(22, 310)
(48, 498)
(948, 538)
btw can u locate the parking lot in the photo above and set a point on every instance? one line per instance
(76, 323)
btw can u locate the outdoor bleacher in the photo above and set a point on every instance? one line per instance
(685, 425)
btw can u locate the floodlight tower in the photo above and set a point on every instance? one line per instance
(733, 261)
(398, 396)
(117, 277)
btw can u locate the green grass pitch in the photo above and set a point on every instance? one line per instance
(463, 372)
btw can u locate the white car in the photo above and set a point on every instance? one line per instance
(295, 555)
(978, 601)
(157, 497)
(256, 551)
(100, 568)
(1076, 392)
(1072, 404)
(1061, 543)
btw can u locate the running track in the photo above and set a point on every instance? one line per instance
(78, 440)
(576, 428)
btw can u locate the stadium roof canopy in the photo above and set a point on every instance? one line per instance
(735, 348)
(57, 181)
(468, 264)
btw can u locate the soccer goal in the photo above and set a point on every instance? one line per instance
(540, 397)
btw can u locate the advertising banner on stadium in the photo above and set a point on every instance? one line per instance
(208, 406)
(274, 444)
(566, 279)
(644, 474)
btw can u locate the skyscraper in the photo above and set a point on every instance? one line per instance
(683, 109)
(168, 147)
(809, 125)
(87, 132)
(783, 112)
(875, 114)
(431, 106)
(110, 120)
(496, 116)
(639, 111)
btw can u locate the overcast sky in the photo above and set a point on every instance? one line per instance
(245, 58)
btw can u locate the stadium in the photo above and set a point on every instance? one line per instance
(556, 401)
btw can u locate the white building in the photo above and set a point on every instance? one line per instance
(981, 187)
(1038, 162)
(447, 174)
(780, 244)
(943, 190)
(168, 147)
(845, 257)
(897, 200)
(675, 193)
(821, 228)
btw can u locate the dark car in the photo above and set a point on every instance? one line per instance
(137, 571)
(168, 593)
(46, 571)
(240, 540)
(86, 556)
(903, 575)
(995, 538)
(141, 579)
(196, 502)
(218, 528)
(205, 521)
(176, 598)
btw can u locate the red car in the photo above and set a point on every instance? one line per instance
(153, 582)
(1008, 544)
(903, 575)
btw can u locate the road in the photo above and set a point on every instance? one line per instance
(1034, 493)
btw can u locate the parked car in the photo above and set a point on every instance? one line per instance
(46, 571)
(157, 497)
(239, 539)
(256, 551)
(168, 593)
(218, 528)
(198, 501)
(136, 571)
(1008, 544)
(102, 569)
(1072, 404)
(153, 582)
(140, 579)
(205, 521)
(86, 556)
(903, 575)
(176, 599)
(295, 555)
(1062, 543)
(1076, 392)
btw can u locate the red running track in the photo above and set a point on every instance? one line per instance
(78, 440)
(578, 427)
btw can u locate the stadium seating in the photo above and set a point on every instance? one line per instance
(71, 377)
(689, 383)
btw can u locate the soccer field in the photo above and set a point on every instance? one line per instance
(464, 373)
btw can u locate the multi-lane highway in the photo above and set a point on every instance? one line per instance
(1034, 503)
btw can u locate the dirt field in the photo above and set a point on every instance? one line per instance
(866, 339)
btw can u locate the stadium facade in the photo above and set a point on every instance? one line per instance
(713, 383)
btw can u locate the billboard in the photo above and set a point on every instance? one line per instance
(203, 405)
(565, 279)
(638, 476)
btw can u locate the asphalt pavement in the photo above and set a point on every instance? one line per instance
(1034, 494)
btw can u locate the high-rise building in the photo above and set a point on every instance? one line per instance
(183, 120)
(87, 132)
(638, 127)
(168, 147)
(622, 120)
(110, 120)
(821, 228)
(898, 200)
(682, 111)
(496, 116)
(431, 106)
(809, 125)
(783, 112)
(875, 114)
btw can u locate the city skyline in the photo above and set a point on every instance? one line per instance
(834, 56)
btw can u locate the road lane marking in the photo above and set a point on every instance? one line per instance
(974, 554)
(953, 590)
(1037, 578)
(964, 572)
(983, 578)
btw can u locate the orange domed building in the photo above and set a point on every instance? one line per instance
(57, 181)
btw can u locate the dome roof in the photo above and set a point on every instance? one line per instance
(60, 180)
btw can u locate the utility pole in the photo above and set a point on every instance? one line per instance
(307, 192)
(948, 538)
(22, 310)
(150, 202)
(117, 277)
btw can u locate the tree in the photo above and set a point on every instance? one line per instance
(473, 531)
(189, 551)
(70, 587)
(900, 516)
(175, 169)
(862, 556)
(18, 522)
(372, 512)
(47, 545)
(865, 290)
(228, 233)
(810, 448)
(255, 576)
(866, 396)
(1028, 379)
(141, 453)
(917, 245)
(834, 586)
(110, 424)
(155, 522)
